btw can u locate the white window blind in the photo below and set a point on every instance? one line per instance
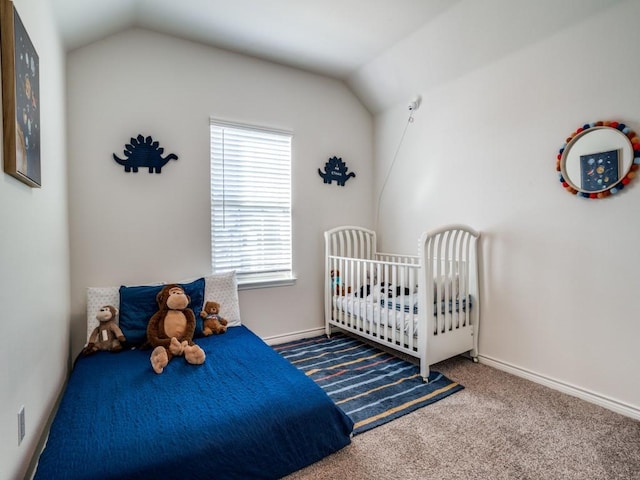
(251, 201)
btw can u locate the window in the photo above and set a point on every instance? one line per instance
(251, 203)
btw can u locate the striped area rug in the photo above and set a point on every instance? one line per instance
(370, 385)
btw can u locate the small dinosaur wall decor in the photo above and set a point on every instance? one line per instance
(336, 169)
(144, 152)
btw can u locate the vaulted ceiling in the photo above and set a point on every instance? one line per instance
(331, 37)
(386, 51)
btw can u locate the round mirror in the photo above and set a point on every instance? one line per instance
(599, 159)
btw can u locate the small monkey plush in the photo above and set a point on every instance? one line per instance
(212, 323)
(107, 335)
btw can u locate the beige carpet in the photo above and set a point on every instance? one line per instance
(499, 427)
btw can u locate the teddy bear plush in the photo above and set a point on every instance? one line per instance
(107, 335)
(170, 330)
(212, 322)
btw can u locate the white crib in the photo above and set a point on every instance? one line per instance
(426, 306)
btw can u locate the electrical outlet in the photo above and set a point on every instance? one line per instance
(21, 425)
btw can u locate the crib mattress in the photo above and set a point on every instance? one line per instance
(399, 312)
(377, 313)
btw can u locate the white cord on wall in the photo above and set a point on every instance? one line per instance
(413, 106)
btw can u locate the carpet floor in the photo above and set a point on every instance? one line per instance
(500, 427)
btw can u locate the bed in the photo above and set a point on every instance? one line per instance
(245, 413)
(426, 306)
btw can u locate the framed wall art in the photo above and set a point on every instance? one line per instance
(599, 171)
(20, 98)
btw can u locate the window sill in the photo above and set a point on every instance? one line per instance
(249, 283)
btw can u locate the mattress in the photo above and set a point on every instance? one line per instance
(377, 312)
(399, 312)
(245, 413)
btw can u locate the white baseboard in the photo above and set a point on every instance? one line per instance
(290, 337)
(592, 397)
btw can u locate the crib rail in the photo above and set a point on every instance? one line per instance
(395, 258)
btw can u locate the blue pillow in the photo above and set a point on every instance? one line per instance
(138, 304)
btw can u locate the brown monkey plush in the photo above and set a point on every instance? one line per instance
(107, 335)
(212, 322)
(170, 329)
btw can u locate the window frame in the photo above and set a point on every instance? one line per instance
(248, 280)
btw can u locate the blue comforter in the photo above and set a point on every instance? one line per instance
(245, 413)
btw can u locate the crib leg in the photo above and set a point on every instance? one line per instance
(424, 370)
(474, 355)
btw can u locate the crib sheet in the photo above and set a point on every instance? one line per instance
(401, 311)
(378, 312)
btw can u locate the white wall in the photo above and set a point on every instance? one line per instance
(131, 228)
(34, 264)
(560, 301)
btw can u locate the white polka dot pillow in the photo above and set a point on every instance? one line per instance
(99, 297)
(223, 288)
